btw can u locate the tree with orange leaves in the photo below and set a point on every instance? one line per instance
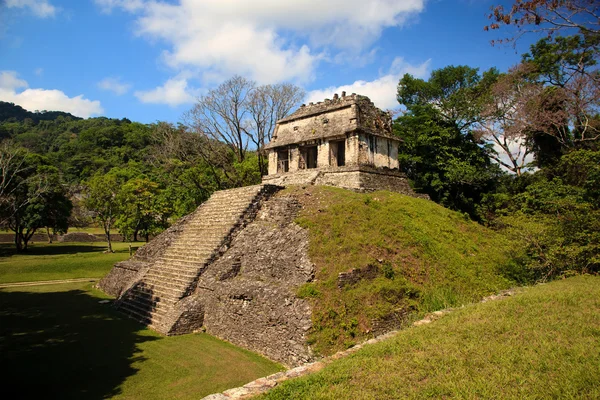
(547, 16)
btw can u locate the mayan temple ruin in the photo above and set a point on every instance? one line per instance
(232, 267)
(345, 142)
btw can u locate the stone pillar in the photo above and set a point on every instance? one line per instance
(352, 150)
(363, 150)
(294, 158)
(323, 155)
(272, 161)
(394, 164)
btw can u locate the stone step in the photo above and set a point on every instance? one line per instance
(157, 282)
(188, 263)
(177, 272)
(141, 317)
(177, 269)
(156, 298)
(222, 212)
(185, 259)
(195, 249)
(158, 293)
(196, 246)
(143, 308)
(207, 229)
(171, 277)
(198, 243)
(185, 267)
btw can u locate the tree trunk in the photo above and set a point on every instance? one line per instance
(135, 235)
(26, 237)
(18, 243)
(109, 248)
(49, 235)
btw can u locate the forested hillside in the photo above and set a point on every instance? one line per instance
(135, 177)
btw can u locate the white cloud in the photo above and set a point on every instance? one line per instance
(114, 85)
(38, 71)
(44, 99)
(129, 5)
(9, 80)
(381, 91)
(266, 40)
(41, 8)
(174, 92)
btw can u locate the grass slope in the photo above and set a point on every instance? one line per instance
(57, 341)
(44, 262)
(426, 258)
(542, 343)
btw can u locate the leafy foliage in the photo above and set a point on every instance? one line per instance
(438, 152)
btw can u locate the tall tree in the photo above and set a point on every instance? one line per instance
(267, 105)
(505, 119)
(438, 152)
(241, 114)
(49, 209)
(101, 198)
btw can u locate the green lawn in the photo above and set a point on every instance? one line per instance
(44, 262)
(543, 343)
(58, 341)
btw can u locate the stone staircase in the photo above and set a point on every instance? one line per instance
(174, 275)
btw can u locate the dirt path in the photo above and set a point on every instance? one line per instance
(39, 283)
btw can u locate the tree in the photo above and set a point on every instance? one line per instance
(268, 104)
(101, 199)
(455, 93)
(444, 163)
(13, 170)
(505, 121)
(141, 209)
(568, 108)
(33, 195)
(547, 16)
(438, 151)
(49, 209)
(239, 113)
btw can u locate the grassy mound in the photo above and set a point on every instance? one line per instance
(414, 255)
(543, 343)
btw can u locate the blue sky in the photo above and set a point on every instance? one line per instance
(147, 60)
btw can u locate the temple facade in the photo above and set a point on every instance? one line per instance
(346, 141)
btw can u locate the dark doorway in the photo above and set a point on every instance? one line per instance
(311, 157)
(283, 161)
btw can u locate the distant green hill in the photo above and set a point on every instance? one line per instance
(410, 256)
(12, 113)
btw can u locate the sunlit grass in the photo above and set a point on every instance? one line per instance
(44, 261)
(543, 343)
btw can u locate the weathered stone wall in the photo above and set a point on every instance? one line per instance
(248, 295)
(363, 179)
(317, 126)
